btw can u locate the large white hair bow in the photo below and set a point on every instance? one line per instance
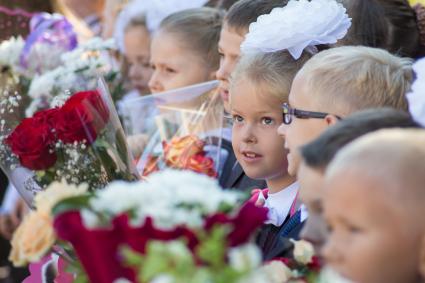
(153, 10)
(416, 97)
(299, 25)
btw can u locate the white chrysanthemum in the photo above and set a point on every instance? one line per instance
(95, 44)
(120, 197)
(416, 97)
(245, 257)
(170, 198)
(10, 50)
(297, 26)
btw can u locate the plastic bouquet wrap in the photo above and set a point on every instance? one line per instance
(23, 59)
(177, 225)
(81, 140)
(78, 71)
(181, 129)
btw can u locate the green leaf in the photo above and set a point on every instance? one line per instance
(131, 257)
(107, 162)
(122, 146)
(213, 246)
(72, 203)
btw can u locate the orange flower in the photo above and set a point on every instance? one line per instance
(201, 164)
(151, 166)
(179, 150)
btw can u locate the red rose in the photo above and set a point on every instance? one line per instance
(32, 141)
(81, 118)
(47, 116)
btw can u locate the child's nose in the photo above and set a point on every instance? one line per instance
(154, 83)
(133, 72)
(249, 135)
(281, 130)
(222, 74)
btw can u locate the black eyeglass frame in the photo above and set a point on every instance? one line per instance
(288, 112)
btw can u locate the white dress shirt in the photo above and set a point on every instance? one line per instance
(280, 203)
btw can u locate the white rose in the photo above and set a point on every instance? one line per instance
(303, 251)
(45, 200)
(277, 272)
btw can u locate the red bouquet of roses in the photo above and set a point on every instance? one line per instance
(79, 120)
(78, 141)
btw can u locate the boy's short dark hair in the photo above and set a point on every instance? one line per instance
(244, 12)
(386, 24)
(220, 4)
(320, 152)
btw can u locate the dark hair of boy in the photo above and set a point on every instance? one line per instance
(320, 152)
(220, 4)
(386, 24)
(244, 12)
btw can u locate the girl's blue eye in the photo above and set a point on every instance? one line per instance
(237, 119)
(267, 121)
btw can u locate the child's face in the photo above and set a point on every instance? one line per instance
(174, 65)
(137, 53)
(311, 192)
(300, 131)
(371, 238)
(257, 146)
(229, 49)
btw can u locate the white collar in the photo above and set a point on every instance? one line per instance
(280, 203)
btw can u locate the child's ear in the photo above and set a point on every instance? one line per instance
(331, 119)
(422, 257)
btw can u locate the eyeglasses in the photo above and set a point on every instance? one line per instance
(288, 112)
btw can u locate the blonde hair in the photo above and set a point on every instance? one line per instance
(272, 72)
(199, 29)
(353, 78)
(393, 156)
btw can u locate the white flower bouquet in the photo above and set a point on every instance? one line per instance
(177, 225)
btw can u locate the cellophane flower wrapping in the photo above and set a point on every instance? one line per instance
(78, 71)
(178, 224)
(40, 52)
(80, 140)
(180, 129)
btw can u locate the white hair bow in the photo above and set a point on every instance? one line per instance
(153, 10)
(299, 25)
(416, 97)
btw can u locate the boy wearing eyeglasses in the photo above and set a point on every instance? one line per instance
(320, 152)
(335, 83)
